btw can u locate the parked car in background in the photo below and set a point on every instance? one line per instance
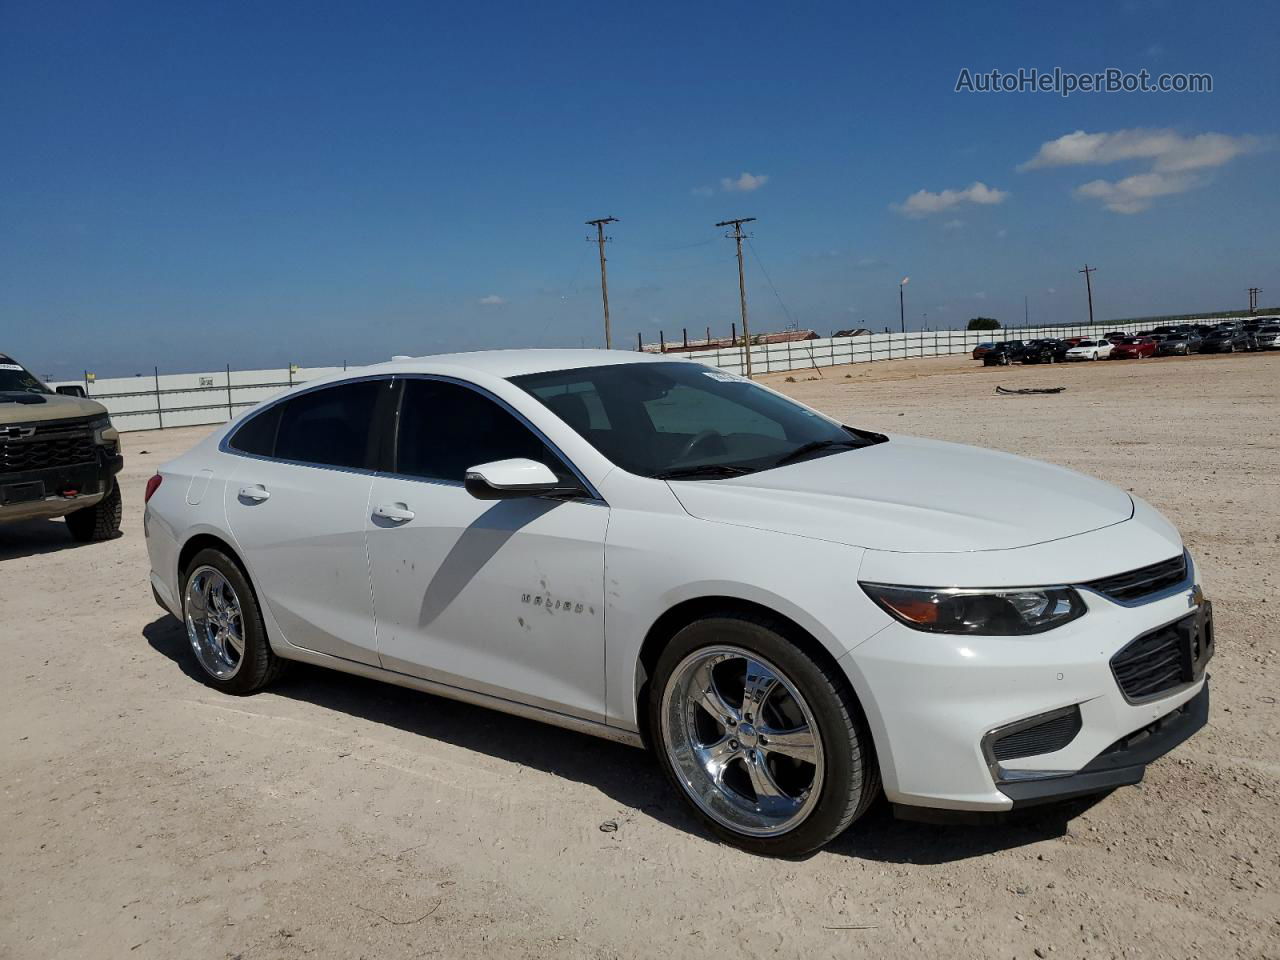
(59, 456)
(1179, 344)
(1044, 351)
(667, 555)
(1133, 348)
(982, 349)
(1268, 337)
(1003, 354)
(1225, 339)
(1072, 341)
(1113, 333)
(1090, 350)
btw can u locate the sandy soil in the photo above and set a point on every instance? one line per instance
(144, 815)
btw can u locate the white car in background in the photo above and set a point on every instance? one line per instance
(1090, 350)
(790, 612)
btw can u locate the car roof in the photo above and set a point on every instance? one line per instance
(514, 363)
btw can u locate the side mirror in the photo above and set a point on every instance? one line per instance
(70, 390)
(518, 477)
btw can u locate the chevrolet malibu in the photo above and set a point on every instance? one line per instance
(795, 615)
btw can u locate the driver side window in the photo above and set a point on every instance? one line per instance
(445, 428)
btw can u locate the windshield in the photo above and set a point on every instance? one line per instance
(13, 378)
(686, 420)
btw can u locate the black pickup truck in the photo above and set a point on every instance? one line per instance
(59, 456)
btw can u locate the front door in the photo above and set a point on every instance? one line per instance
(502, 597)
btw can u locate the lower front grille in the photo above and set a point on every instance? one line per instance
(1050, 734)
(1164, 658)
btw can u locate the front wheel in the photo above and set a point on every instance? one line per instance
(99, 522)
(765, 743)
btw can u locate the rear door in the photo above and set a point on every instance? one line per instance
(296, 504)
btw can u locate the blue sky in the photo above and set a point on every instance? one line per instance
(195, 184)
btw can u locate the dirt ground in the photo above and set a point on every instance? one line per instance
(146, 816)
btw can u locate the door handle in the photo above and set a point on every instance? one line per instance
(395, 512)
(255, 492)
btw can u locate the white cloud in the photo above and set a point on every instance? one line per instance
(922, 203)
(492, 300)
(746, 183)
(1172, 156)
(1135, 194)
(1170, 151)
(953, 225)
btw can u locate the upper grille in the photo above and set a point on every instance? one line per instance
(1142, 582)
(1046, 737)
(58, 444)
(1153, 663)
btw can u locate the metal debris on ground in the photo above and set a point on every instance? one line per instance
(1026, 391)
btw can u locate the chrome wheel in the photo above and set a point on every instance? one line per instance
(742, 740)
(215, 625)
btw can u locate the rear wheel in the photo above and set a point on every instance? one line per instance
(99, 522)
(224, 625)
(764, 742)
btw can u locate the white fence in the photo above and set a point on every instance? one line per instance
(190, 399)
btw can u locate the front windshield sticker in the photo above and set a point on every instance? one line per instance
(721, 376)
(10, 366)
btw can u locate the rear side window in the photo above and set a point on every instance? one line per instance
(257, 435)
(446, 428)
(331, 427)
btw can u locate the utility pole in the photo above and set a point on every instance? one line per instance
(737, 236)
(1026, 311)
(1089, 287)
(1253, 300)
(902, 313)
(604, 278)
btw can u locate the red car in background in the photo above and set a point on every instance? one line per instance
(1133, 348)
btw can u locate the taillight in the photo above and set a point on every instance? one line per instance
(153, 485)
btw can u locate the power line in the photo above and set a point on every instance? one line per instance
(790, 320)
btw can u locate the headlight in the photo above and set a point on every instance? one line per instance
(103, 432)
(1001, 613)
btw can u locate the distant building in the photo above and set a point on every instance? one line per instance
(860, 332)
(726, 343)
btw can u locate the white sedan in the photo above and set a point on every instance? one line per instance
(1090, 350)
(795, 615)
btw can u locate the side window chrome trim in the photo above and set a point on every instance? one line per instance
(224, 445)
(520, 417)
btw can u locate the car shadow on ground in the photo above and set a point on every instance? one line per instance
(29, 538)
(622, 773)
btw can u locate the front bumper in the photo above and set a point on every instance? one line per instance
(57, 491)
(932, 700)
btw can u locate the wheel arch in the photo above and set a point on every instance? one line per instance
(690, 610)
(206, 541)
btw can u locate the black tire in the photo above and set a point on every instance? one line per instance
(851, 776)
(99, 522)
(259, 666)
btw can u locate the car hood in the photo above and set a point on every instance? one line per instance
(913, 495)
(22, 407)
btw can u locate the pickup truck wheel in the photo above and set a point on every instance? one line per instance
(765, 743)
(99, 522)
(224, 625)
